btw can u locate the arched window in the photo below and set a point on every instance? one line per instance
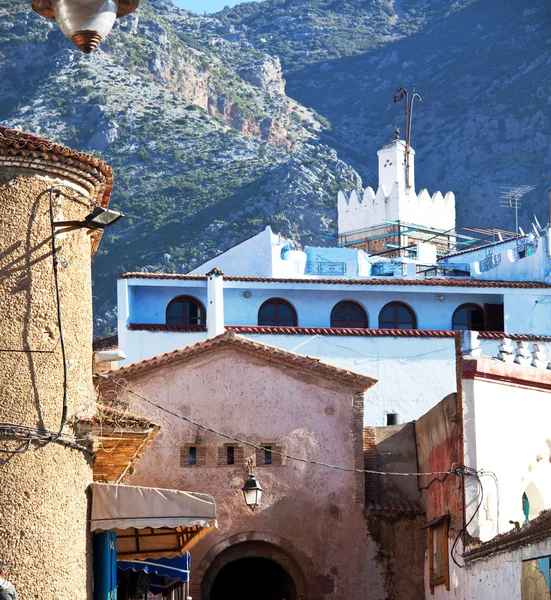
(185, 310)
(348, 314)
(397, 315)
(276, 311)
(468, 317)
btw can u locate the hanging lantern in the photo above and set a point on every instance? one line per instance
(252, 492)
(85, 22)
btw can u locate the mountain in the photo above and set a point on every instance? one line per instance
(482, 67)
(218, 126)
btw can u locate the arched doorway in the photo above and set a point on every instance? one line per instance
(253, 578)
(253, 570)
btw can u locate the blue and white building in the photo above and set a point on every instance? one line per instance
(384, 301)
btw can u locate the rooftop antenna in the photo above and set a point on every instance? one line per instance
(510, 198)
(400, 94)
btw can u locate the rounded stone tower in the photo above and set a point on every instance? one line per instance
(44, 468)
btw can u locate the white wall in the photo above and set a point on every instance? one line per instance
(536, 267)
(394, 200)
(507, 432)
(252, 257)
(499, 577)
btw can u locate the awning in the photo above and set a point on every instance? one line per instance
(173, 568)
(151, 522)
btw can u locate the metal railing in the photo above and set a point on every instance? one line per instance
(326, 269)
(448, 270)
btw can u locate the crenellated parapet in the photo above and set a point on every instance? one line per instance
(364, 210)
(365, 216)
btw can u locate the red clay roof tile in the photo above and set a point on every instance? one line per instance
(230, 339)
(367, 281)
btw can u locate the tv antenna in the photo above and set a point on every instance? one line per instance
(400, 94)
(510, 198)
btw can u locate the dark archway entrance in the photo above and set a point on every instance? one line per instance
(252, 570)
(253, 578)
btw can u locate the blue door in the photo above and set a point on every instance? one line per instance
(105, 566)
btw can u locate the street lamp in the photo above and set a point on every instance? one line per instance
(252, 492)
(98, 219)
(85, 22)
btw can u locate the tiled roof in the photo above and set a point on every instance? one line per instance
(31, 151)
(537, 529)
(409, 508)
(367, 281)
(337, 331)
(166, 327)
(342, 331)
(119, 440)
(145, 275)
(106, 342)
(108, 416)
(483, 247)
(271, 353)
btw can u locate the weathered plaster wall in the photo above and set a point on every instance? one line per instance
(315, 514)
(439, 447)
(43, 500)
(395, 452)
(392, 521)
(499, 576)
(400, 553)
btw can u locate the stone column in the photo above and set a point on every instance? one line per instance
(44, 539)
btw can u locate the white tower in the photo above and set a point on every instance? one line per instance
(392, 167)
(363, 215)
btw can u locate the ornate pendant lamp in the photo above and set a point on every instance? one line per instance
(85, 22)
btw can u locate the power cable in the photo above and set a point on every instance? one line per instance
(456, 471)
(29, 434)
(59, 320)
(469, 473)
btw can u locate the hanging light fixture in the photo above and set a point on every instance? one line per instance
(85, 22)
(252, 492)
(99, 218)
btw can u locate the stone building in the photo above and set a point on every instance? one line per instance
(309, 537)
(44, 469)
(53, 440)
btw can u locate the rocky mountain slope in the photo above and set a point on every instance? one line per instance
(210, 144)
(482, 67)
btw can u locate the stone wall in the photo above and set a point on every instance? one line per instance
(44, 539)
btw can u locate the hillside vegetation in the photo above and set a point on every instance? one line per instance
(217, 126)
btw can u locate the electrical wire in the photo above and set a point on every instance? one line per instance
(457, 471)
(59, 320)
(44, 436)
(467, 472)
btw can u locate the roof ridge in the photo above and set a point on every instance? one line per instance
(366, 281)
(232, 338)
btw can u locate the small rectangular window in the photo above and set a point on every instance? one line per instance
(192, 457)
(392, 419)
(438, 554)
(268, 455)
(231, 455)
